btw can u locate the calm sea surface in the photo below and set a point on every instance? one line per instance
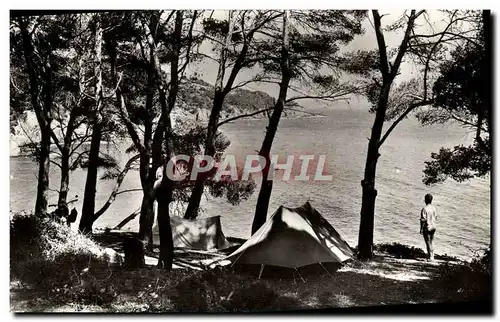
(464, 208)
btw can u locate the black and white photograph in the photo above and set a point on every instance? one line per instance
(251, 160)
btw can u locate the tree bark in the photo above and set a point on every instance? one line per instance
(88, 207)
(166, 257)
(265, 150)
(146, 218)
(164, 198)
(64, 186)
(43, 172)
(369, 193)
(164, 195)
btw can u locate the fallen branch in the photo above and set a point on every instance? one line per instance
(119, 181)
(127, 220)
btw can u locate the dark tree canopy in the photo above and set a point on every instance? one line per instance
(462, 94)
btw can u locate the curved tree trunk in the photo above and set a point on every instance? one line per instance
(265, 151)
(389, 72)
(88, 207)
(199, 186)
(365, 238)
(146, 219)
(43, 117)
(118, 183)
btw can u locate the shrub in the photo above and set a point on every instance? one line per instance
(401, 251)
(30, 233)
(24, 237)
(55, 261)
(471, 281)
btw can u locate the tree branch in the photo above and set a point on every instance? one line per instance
(128, 123)
(384, 64)
(127, 219)
(426, 70)
(326, 97)
(404, 43)
(128, 190)
(77, 159)
(400, 118)
(243, 116)
(55, 163)
(119, 181)
(449, 34)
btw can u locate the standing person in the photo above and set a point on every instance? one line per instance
(428, 218)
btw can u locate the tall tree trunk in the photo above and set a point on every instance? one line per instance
(265, 150)
(43, 118)
(146, 219)
(164, 196)
(197, 193)
(88, 207)
(64, 186)
(43, 172)
(369, 193)
(365, 238)
(199, 187)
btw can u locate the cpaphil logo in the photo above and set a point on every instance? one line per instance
(301, 167)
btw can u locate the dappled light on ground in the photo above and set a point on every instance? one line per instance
(396, 269)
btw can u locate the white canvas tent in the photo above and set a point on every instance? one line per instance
(201, 234)
(293, 238)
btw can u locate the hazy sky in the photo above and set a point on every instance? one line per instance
(208, 69)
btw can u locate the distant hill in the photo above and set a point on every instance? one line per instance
(196, 99)
(194, 102)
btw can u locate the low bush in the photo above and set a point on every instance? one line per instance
(54, 261)
(401, 251)
(471, 281)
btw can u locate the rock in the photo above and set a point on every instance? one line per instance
(114, 257)
(134, 253)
